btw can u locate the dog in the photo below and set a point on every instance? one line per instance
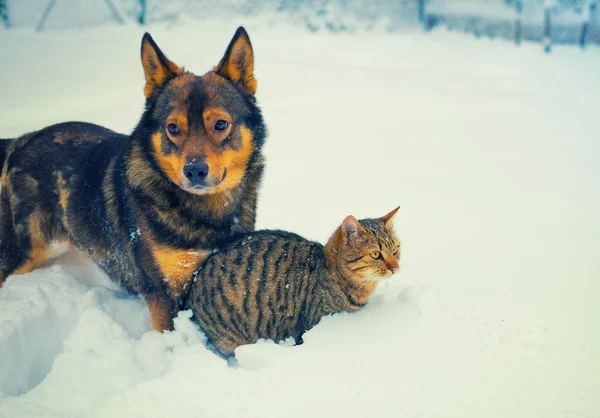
(149, 207)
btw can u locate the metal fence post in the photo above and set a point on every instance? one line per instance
(114, 12)
(4, 13)
(142, 15)
(547, 28)
(586, 24)
(421, 11)
(52, 3)
(518, 23)
(45, 15)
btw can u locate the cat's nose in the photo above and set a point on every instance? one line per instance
(393, 267)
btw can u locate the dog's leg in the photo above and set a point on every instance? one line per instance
(37, 257)
(162, 311)
(24, 240)
(12, 255)
(32, 242)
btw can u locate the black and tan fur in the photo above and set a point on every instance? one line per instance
(148, 207)
(276, 284)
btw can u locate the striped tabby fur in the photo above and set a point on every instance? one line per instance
(276, 284)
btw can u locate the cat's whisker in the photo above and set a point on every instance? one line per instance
(359, 287)
(354, 287)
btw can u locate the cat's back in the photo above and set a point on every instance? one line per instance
(254, 287)
(266, 254)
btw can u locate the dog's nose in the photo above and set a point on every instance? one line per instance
(196, 172)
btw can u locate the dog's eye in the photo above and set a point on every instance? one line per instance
(375, 255)
(221, 125)
(173, 129)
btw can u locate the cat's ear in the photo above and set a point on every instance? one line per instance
(157, 68)
(387, 219)
(351, 230)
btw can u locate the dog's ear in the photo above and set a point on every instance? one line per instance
(238, 63)
(157, 68)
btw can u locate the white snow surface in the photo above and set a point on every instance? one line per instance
(493, 152)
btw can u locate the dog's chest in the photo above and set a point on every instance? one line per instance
(178, 266)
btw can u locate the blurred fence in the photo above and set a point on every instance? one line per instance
(548, 21)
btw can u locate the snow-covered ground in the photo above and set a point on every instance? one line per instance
(493, 152)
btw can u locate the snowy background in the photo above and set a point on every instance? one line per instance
(570, 21)
(493, 152)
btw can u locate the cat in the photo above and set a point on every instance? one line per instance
(274, 284)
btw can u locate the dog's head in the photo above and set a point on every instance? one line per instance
(203, 130)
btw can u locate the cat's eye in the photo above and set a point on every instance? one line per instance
(395, 251)
(375, 255)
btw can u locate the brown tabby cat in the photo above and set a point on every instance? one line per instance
(276, 284)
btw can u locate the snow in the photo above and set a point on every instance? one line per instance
(491, 150)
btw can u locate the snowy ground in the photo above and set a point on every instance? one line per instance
(493, 152)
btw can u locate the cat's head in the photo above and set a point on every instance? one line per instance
(367, 249)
